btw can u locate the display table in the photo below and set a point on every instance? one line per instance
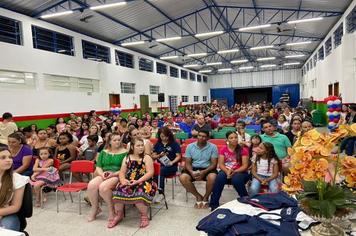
(7, 232)
(241, 208)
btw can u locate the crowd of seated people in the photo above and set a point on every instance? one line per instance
(257, 137)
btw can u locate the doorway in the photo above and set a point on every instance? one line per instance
(251, 95)
(114, 99)
(336, 89)
(144, 104)
(173, 103)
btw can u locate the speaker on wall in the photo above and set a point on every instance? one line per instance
(161, 97)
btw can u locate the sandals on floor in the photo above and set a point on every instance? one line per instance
(204, 205)
(198, 204)
(113, 222)
(144, 221)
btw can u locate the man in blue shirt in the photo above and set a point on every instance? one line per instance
(187, 125)
(200, 165)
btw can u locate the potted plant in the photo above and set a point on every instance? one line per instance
(322, 182)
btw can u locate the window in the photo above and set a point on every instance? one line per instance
(161, 68)
(185, 98)
(351, 21)
(73, 84)
(205, 98)
(338, 35)
(183, 74)
(128, 87)
(124, 59)
(321, 53)
(16, 80)
(173, 72)
(328, 47)
(10, 31)
(307, 66)
(52, 41)
(145, 64)
(196, 98)
(154, 89)
(311, 63)
(191, 76)
(199, 78)
(205, 79)
(314, 83)
(95, 52)
(315, 58)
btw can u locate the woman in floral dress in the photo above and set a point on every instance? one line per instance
(136, 183)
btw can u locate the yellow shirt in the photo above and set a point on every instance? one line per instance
(5, 130)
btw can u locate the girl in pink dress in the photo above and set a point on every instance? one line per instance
(44, 174)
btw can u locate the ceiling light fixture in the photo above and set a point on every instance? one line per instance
(298, 43)
(214, 63)
(245, 67)
(238, 61)
(168, 57)
(132, 43)
(291, 63)
(262, 47)
(225, 69)
(168, 39)
(268, 65)
(266, 58)
(254, 27)
(202, 54)
(295, 56)
(100, 7)
(228, 51)
(209, 34)
(191, 65)
(205, 71)
(304, 20)
(56, 14)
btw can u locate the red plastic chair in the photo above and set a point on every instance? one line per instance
(82, 166)
(218, 142)
(189, 140)
(157, 173)
(153, 141)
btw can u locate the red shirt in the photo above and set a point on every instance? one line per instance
(225, 120)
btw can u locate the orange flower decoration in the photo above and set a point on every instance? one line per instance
(311, 159)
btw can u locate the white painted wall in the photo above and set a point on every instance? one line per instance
(41, 101)
(338, 66)
(255, 79)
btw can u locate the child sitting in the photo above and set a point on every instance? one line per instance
(264, 169)
(44, 174)
(90, 152)
(136, 184)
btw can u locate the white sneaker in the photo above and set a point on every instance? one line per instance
(158, 198)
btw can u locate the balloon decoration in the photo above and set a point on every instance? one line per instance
(115, 109)
(334, 108)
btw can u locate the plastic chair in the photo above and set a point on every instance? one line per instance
(153, 141)
(181, 136)
(189, 141)
(157, 173)
(219, 135)
(226, 129)
(82, 166)
(218, 142)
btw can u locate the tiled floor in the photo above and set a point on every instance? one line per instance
(180, 219)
